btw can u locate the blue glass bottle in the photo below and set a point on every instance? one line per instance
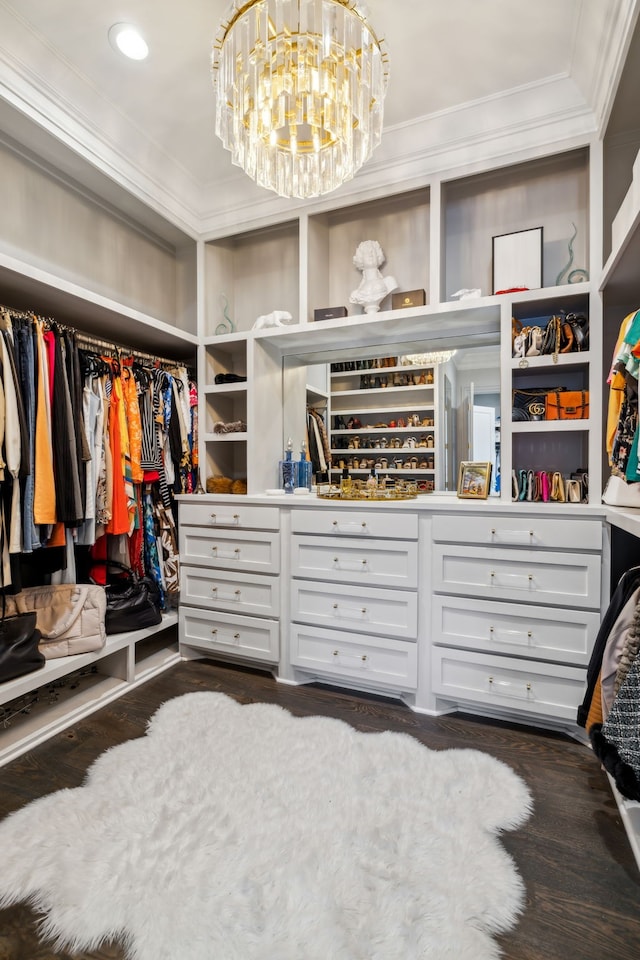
(288, 469)
(305, 469)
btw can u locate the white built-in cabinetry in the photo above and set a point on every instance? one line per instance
(437, 238)
(229, 580)
(515, 611)
(354, 597)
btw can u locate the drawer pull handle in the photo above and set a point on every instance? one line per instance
(235, 519)
(509, 689)
(214, 631)
(229, 556)
(365, 562)
(512, 534)
(236, 636)
(509, 636)
(235, 596)
(364, 658)
(510, 580)
(363, 610)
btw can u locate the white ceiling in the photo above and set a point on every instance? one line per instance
(468, 79)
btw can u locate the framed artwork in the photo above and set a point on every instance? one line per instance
(517, 260)
(474, 480)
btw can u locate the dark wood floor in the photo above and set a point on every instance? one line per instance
(583, 885)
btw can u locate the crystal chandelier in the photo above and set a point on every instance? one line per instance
(434, 356)
(300, 86)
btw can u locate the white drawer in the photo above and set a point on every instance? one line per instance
(372, 661)
(236, 592)
(541, 633)
(231, 549)
(390, 613)
(545, 532)
(504, 683)
(214, 632)
(375, 562)
(373, 522)
(535, 576)
(234, 514)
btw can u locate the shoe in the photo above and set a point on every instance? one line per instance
(229, 378)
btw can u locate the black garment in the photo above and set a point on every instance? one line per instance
(627, 583)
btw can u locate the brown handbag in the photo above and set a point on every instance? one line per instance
(567, 405)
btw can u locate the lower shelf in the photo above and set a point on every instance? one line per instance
(630, 815)
(41, 704)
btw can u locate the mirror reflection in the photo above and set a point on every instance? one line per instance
(411, 416)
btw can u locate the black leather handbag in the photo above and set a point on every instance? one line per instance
(133, 602)
(19, 639)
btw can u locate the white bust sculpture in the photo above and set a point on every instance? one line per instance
(373, 286)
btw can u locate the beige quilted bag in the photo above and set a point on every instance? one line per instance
(70, 616)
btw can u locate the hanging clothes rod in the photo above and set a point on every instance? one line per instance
(90, 341)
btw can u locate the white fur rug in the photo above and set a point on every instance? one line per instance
(242, 833)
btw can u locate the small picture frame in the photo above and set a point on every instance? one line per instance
(517, 260)
(474, 480)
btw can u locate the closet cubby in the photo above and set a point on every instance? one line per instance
(552, 193)
(38, 705)
(564, 446)
(400, 224)
(249, 275)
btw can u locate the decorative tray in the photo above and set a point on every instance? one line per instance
(391, 494)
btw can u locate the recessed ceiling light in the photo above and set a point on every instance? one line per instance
(127, 39)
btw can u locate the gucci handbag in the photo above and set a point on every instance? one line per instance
(529, 404)
(567, 405)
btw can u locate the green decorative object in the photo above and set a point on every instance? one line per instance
(228, 326)
(566, 274)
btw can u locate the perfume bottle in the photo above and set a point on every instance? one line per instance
(305, 469)
(372, 481)
(345, 482)
(288, 469)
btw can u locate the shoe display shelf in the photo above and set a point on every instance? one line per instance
(384, 415)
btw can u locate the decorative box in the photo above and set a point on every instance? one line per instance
(408, 298)
(329, 313)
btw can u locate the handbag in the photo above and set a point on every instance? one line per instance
(133, 602)
(529, 404)
(19, 653)
(19, 637)
(619, 493)
(567, 405)
(70, 617)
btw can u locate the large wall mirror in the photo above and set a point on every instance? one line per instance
(391, 406)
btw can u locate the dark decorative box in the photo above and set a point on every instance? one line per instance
(408, 298)
(329, 313)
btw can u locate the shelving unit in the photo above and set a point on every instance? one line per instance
(132, 285)
(438, 238)
(67, 689)
(554, 445)
(398, 431)
(620, 289)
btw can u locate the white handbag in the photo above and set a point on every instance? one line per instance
(619, 493)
